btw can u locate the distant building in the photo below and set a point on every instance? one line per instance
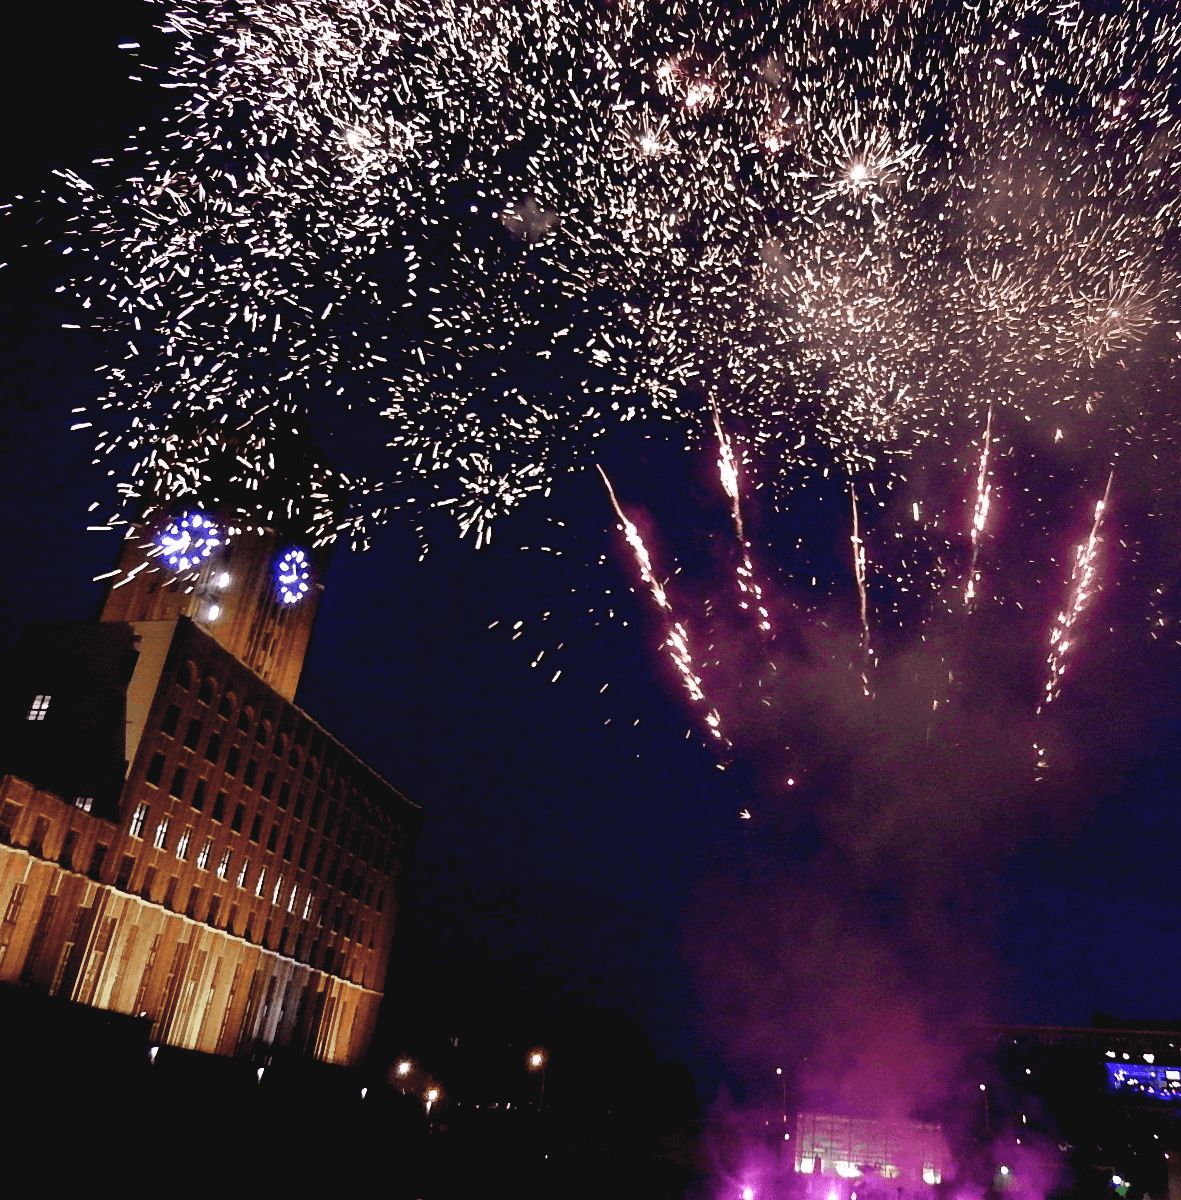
(177, 838)
(871, 1152)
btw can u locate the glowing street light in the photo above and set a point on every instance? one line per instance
(537, 1060)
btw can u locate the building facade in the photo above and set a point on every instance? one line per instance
(178, 840)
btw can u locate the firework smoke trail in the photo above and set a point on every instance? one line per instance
(862, 592)
(748, 586)
(1082, 587)
(979, 511)
(676, 641)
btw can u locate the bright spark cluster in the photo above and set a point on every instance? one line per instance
(514, 228)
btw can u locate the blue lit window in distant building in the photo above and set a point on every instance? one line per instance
(188, 541)
(1146, 1081)
(293, 574)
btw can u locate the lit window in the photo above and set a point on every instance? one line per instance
(242, 873)
(292, 899)
(203, 857)
(262, 875)
(161, 834)
(39, 708)
(137, 821)
(278, 890)
(85, 803)
(307, 907)
(182, 847)
(223, 867)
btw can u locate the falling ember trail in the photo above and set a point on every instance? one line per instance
(859, 572)
(1082, 587)
(980, 511)
(676, 640)
(748, 586)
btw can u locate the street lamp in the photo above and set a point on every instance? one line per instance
(538, 1060)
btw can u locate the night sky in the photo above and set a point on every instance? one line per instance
(579, 850)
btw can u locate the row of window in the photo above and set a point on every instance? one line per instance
(350, 884)
(356, 840)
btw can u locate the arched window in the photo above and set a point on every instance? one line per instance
(262, 735)
(184, 675)
(245, 717)
(225, 707)
(208, 685)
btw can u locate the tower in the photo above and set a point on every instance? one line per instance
(178, 840)
(255, 590)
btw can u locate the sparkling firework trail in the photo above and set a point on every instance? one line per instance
(979, 511)
(1083, 578)
(749, 587)
(859, 565)
(676, 640)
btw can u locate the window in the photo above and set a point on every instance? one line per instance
(170, 893)
(214, 905)
(300, 801)
(182, 847)
(161, 838)
(278, 890)
(292, 899)
(155, 770)
(268, 784)
(96, 861)
(213, 747)
(262, 733)
(251, 772)
(273, 837)
(258, 883)
(184, 676)
(287, 847)
(85, 803)
(38, 708)
(137, 821)
(9, 813)
(303, 853)
(66, 858)
(369, 895)
(193, 733)
(126, 866)
(316, 805)
(205, 695)
(307, 906)
(203, 857)
(198, 798)
(242, 872)
(232, 760)
(149, 879)
(380, 899)
(171, 717)
(194, 900)
(239, 817)
(178, 782)
(245, 717)
(223, 867)
(256, 827)
(225, 707)
(284, 795)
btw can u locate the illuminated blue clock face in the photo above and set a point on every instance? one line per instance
(293, 573)
(188, 541)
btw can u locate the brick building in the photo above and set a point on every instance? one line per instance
(177, 838)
